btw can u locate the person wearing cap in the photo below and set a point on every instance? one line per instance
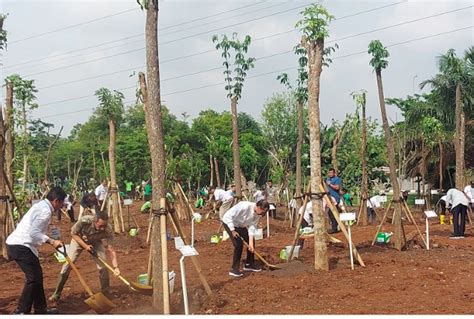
(94, 234)
(22, 247)
(241, 222)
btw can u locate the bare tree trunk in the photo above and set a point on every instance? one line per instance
(48, 155)
(235, 148)
(364, 191)
(399, 233)
(315, 55)
(457, 140)
(211, 164)
(9, 123)
(3, 191)
(441, 170)
(154, 125)
(423, 167)
(218, 177)
(25, 154)
(335, 144)
(299, 146)
(113, 178)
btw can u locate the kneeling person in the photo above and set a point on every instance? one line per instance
(93, 234)
(242, 220)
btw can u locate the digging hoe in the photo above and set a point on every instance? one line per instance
(143, 289)
(270, 266)
(98, 302)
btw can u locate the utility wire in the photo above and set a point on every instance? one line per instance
(263, 57)
(273, 72)
(142, 34)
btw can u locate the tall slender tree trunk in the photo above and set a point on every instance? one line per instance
(423, 167)
(94, 167)
(152, 105)
(399, 233)
(458, 143)
(211, 168)
(25, 143)
(299, 146)
(441, 170)
(364, 189)
(335, 144)
(235, 148)
(3, 191)
(218, 177)
(113, 178)
(315, 56)
(9, 123)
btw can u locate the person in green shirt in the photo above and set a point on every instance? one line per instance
(347, 197)
(145, 207)
(147, 192)
(129, 189)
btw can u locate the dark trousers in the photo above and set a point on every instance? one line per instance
(33, 292)
(71, 215)
(332, 219)
(371, 214)
(273, 212)
(239, 246)
(459, 219)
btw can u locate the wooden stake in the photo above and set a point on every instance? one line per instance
(408, 212)
(298, 225)
(381, 223)
(120, 210)
(194, 259)
(164, 258)
(341, 224)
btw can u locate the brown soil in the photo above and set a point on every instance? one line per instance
(416, 281)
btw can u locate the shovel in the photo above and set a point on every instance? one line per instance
(98, 302)
(270, 266)
(143, 289)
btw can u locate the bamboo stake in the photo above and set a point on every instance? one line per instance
(120, 211)
(164, 257)
(341, 224)
(298, 225)
(186, 202)
(381, 223)
(408, 212)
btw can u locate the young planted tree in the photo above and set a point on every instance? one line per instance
(234, 83)
(360, 99)
(379, 62)
(301, 93)
(24, 93)
(153, 120)
(9, 127)
(314, 26)
(111, 106)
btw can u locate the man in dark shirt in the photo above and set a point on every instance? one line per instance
(333, 185)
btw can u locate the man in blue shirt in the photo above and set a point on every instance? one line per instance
(333, 185)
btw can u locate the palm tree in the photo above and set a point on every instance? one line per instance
(111, 106)
(314, 26)
(379, 62)
(455, 81)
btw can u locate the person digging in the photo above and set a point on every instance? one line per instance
(94, 234)
(241, 222)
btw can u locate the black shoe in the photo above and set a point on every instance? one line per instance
(253, 268)
(47, 311)
(235, 273)
(17, 312)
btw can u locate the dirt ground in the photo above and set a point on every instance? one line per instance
(416, 281)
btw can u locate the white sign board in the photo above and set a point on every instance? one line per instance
(188, 251)
(430, 214)
(345, 217)
(178, 242)
(434, 192)
(419, 201)
(127, 202)
(382, 199)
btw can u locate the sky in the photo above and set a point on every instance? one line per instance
(72, 48)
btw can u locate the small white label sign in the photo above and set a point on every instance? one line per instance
(419, 201)
(188, 251)
(127, 202)
(345, 217)
(430, 214)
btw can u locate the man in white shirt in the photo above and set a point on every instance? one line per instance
(241, 222)
(270, 197)
(457, 201)
(224, 199)
(22, 247)
(101, 192)
(259, 195)
(469, 191)
(372, 203)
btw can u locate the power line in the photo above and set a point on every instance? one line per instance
(141, 34)
(277, 71)
(137, 35)
(265, 37)
(73, 25)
